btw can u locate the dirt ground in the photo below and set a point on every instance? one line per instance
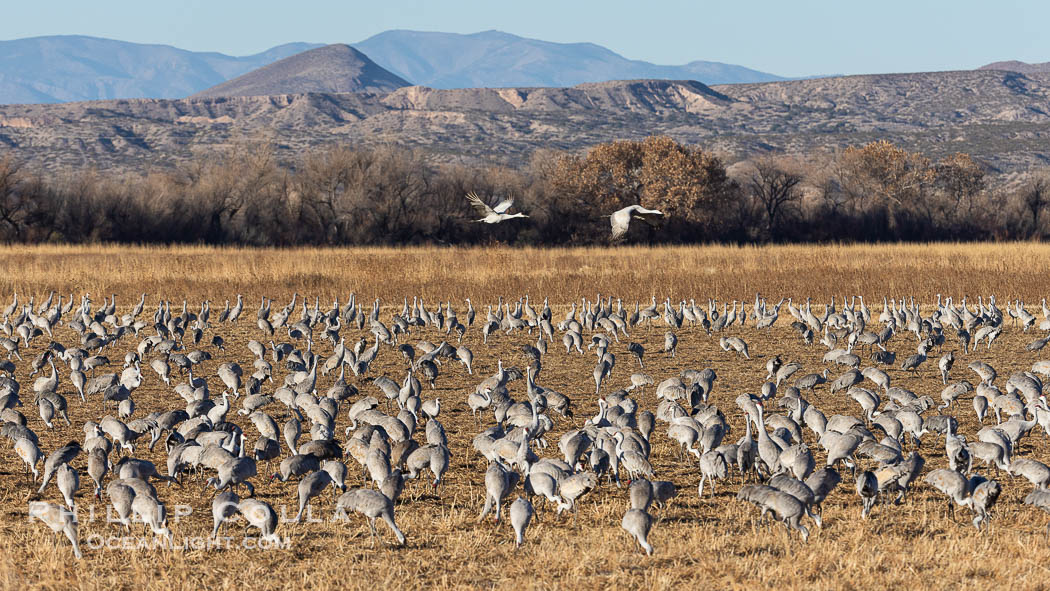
(715, 540)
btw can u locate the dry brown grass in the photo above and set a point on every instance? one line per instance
(922, 270)
(709, 542)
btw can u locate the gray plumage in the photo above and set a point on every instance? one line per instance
(521, 513)
(638, 523)
(310, 487)
(59, 520)
(372, 505)
(223, 506)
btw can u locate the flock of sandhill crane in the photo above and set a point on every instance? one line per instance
(292, 418)
(619, 220)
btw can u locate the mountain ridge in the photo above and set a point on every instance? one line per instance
(1018, 66)
(999, 117)
(71, 68)
(497, 59)
(335, 68)
(65, 68)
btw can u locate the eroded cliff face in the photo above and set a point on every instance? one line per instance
(1000, 117)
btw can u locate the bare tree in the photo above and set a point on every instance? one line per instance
(1034, 197)
(775, 188)
(21, 201)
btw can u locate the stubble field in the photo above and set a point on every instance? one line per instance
(715, 541)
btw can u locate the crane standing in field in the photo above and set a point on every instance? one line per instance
(202, 439)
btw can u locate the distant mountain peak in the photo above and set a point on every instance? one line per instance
(1018, 66)
(498, 59)
(332, 68)
(70, 68)
(67, 68)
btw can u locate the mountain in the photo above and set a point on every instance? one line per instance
(332, 69)
(496, 59)
(75, 68)
(1001, 118)
(1016, 66)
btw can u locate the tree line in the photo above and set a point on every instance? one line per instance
(391, 195)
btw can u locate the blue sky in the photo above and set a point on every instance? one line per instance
(790, 38)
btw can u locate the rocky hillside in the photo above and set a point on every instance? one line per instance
(329, 69)
(1001, 117)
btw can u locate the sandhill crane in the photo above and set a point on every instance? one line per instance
(638, 351)
(265, 424)
(712, 466)
(621, 219)
(1034, 471)
(49, 383)
(839, 446)
(641, 494)
(68, 482)
(810, 381)
(62, 455)
(952, 392)
(984, 371)
(310, 487)
(466, 357)
(784, 506)
(499, 481)
(868, 491)
(292, 430)
(846, 381)
(766, 449)
(478, 401)
(952, 484)
(152, 512)
(431, 408)
(798, 460)
(638, 523)
(59, 520)
(980, 407)
(493, 215)
(822, 482)
(235, 471)
(634, 462)
(878, 377)
(670, 343)
(735, 343)
(260, 515)
(785, 371)
(686, 435)
(800, 490)
(983, 495)
(913, 362)
(521, 513)
(223, 507)
(991, 453)
(372, 504)
(297, 465)
(121, 496)
(945, 365)
(230, 374)
(574, 487)
(663, 492)
(1040, 499)
(27, 450)
(434, 457)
